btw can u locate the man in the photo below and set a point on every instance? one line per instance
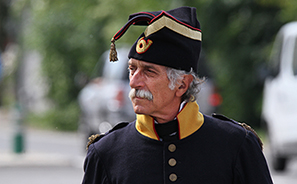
(171, 141)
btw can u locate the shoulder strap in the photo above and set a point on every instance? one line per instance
(96, 137)
(244, 125)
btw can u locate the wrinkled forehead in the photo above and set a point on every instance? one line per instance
(144, 64)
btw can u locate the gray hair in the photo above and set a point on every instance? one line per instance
(175, 76)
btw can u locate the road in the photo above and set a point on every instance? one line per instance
(289, 176)
(41, 175)
(57, 157)
(49, 157)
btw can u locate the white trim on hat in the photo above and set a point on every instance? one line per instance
(165, 21)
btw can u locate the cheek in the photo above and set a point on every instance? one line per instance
(159, 87)
(162, 93)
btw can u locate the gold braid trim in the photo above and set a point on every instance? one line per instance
(92, 139)
(247, 127)
(174, 26)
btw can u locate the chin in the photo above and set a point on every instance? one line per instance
(139, 110)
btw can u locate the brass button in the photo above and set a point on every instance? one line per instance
(172, 162)
(172, 177)
(171, 147)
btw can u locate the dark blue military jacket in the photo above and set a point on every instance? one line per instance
(214, 151)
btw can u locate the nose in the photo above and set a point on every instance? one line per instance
(136, 79)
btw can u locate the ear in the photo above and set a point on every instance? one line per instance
(184, 85)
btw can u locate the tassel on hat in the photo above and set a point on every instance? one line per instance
(140, 18)
(113, 55)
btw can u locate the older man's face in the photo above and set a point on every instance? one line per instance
(150, 93)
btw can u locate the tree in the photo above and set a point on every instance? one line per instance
(237, 34)
(236, 38)
(71, 36)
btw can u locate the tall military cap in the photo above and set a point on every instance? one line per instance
(172, 38)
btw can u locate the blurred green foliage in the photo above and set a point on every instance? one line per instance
(61, 119)
(237, 35)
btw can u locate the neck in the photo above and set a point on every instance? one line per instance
(170, 116)
(166, 119)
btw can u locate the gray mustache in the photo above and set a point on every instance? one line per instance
(140, 94)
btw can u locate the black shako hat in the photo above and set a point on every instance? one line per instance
(172, 38)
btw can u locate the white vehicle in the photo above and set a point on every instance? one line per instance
(279, 109)
(104, 101)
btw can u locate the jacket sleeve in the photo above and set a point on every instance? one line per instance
(94, 168)
(251, 166)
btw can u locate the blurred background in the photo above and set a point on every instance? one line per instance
(50, 52)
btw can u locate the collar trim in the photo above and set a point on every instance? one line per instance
(189, 120)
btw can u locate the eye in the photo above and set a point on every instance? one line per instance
(131, 69)
(150, 71)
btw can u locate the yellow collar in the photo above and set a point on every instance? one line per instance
(189, 120)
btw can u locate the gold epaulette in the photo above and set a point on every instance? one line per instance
(247, 127)
(96, 137)
(92, 139)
